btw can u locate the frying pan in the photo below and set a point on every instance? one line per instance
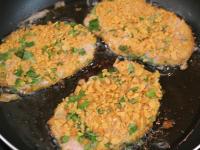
(23, 122)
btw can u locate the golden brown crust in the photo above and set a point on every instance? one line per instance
(121, 107)
(153, 34)
(39, 56)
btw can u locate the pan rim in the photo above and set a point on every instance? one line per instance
(10, 145)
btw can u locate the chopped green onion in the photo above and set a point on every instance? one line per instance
(64, 139)
(100, 75)
(94, 25)
(131, 68)
(151, 93)
(58, 43)
(31, 73)
(75, 98)
(145, 58)
(73, 116)
(132, 57)
(53, 70)
(57, 24)
(123, 48)
(27, 55)
(4, 56)
(29, 44)
(20, 53)
(46, 49)
(23, 54)
(25, 43)
(19, 71)
(74, 32)
(22, 40)
(122, 101)
(112, 69)
(72, 24)
(80, 51)
(90, 136)
(84, 105)
(35, 80)
(132, 128)
(19, 82)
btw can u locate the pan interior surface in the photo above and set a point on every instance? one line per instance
(23, 122)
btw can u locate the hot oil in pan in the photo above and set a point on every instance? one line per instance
(27, 117)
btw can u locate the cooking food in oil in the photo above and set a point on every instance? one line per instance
(38, 56)
(136, 29)
(117, 106)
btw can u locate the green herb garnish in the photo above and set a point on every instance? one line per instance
(122, 101)
(4, 56)
(18, 72)
(46, 49)
(23, 54)
(73, 116)
(57, 24)
(19, 82)
(132, 128)
(112, 69)
(29, 44)
(72, 24)
(94, 25)
(75, 98)
(27, 55)
(100, 75)
(24, 43)
(145, 58)
(80, 51)
(90, 136)
(84, 105)
(33, 75)
(131, 68)
(74, 32)
(20, 53)
(151, 93)
(58, 43)
(123, 48)
(53, 70)
(64, 139)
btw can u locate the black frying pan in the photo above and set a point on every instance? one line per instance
(23, 122)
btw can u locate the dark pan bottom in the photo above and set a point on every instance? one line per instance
(23, 122)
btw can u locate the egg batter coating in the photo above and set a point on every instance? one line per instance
(136, 29)
(39, 56)
(117, 106)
